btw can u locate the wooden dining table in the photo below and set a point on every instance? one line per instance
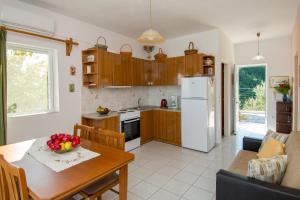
(44, 183)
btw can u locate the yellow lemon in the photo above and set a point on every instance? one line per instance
(62, 146)
(68, 146)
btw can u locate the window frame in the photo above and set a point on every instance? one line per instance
(51, 76)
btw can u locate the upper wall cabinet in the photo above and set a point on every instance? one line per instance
(175, 69)
(193, 64)
(101, 68)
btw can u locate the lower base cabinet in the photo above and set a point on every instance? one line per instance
(110, 123)
(161, 125)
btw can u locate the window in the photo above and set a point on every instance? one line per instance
(29, 80)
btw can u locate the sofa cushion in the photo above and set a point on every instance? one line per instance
(271, 148)
(282, 137)
(292, 174)
(268, 169)
(240, 163)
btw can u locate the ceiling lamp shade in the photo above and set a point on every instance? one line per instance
(258, 57)
(151, 36)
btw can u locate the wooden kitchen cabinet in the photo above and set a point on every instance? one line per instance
(122, 70)
(106, 68)
(193, 64)
(110, 123)
(146, 126)
(150, 73)
(162, 76)
(167, 126)
(175, 69)
(138, 72)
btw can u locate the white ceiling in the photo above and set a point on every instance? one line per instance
(239, 19)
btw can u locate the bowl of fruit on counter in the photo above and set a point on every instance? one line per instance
(102, 110)
(62, 142)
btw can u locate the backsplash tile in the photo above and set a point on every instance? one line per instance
(119, 98)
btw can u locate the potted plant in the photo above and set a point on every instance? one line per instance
(283, 88)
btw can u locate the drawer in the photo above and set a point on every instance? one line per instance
(283, 127)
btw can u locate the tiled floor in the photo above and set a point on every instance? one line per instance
(166, 172)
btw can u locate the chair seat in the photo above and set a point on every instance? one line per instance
(101, 184)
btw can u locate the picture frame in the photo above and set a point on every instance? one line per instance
(276, 80)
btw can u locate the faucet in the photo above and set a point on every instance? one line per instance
(139, 102)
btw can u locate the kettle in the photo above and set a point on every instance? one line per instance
(163, 103)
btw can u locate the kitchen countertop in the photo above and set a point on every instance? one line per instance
(97, 116)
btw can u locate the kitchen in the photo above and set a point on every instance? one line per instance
(144, 96)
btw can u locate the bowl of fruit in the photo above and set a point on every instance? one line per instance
(62, 142)
(103, 111)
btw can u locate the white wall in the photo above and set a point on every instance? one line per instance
(22, 128)
(227, 57)
(278, 59)
(296, 67)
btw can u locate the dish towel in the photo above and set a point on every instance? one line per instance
(59, 162)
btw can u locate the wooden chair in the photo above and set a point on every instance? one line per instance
(111, 139)
(13, 182)
(84, 131)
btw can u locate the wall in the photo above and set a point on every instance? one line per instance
(22, 128)
(278, 59)
(296, 67)
(227, 57)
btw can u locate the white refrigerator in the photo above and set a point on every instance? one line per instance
(198, 113)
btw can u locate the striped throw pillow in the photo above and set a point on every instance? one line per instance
(268, 169)
(281, 137)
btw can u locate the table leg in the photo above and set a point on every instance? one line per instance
(123, 183)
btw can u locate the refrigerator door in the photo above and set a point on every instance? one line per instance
(194, 87)
(194, 119)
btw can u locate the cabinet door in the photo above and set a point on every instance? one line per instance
(147, 130)
(178, 128)
(170, 127)
(161, 76)
(122, 74)
(155, 73)
(138, 72)
(175, 70)
(106, 68)
(158, 124)
(193, 64)
(111, 123)
(150, 73)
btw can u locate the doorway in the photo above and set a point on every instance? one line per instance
(250, 100)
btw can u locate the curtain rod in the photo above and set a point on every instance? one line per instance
(69, 42)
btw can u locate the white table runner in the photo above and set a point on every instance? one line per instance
(59, 162)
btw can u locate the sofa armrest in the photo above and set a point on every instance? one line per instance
(251, 144)
(232, 186)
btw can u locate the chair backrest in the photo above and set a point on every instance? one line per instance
(109, 138)
(85, 131)
(13, 182)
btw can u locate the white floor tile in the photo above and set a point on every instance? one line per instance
(206, 184)
(198, 194)
(164, 195)
(195, 169)
(177, 187)
(144, 190)
(158, 180)
(168, 171)
(186, 177)
(142, 173)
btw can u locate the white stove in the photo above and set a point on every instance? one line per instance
(130, 125)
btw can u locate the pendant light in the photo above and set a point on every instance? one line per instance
(258, 57)
(151, 36)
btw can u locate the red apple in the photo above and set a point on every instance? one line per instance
(74, 143)
(65, 139)
(57, 141)
(56, 147)
(51, 146)
(54, 136)
(49, 142)
(61, 135)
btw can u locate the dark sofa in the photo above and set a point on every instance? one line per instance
(233, 184)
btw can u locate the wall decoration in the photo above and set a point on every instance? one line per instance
(71, 87)
(72, 70)
(276, 80)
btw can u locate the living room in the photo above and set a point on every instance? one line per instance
(74, 73)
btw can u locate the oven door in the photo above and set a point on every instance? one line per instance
(131, 128)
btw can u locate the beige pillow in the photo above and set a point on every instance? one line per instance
(271, 148)
(277, 136)
(268, 169)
